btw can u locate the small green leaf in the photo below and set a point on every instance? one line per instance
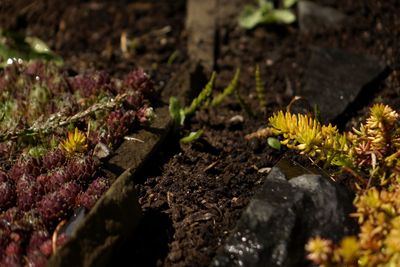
(16, 47)
(176, 111)
(283, 16)
(192, 136)
(250, 17)
(37, 151)
(274, 143)
(37, 45)
(289, 3)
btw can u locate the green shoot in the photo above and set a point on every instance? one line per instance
(217, 100)
(266, 13)
(204, 96)
(17, 47)
(176, 111)
(260, 88)
(192, 137)
(179, 113)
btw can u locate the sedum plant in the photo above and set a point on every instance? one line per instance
(377, 244)
(371, 155)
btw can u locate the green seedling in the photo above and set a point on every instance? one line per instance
(260, 89)
(15, 47)
(204, 99)
(192, 137)
(274, 143)
(267, 13)
(179, 113)
(217, 100)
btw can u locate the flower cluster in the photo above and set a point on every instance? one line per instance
(371, 154)
(377, 244)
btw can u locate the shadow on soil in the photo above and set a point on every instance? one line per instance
(148, 245)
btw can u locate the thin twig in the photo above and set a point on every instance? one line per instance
(58, 120)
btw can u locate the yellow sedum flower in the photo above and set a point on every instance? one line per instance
(319, 250)
(348, 249)
(75, 143)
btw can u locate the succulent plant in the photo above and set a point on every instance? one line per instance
(53, 158)
(81, 168)
(138, 80)
(12, 255)
(28, 192)
(7, 192)
(95, 190)
(370, 155)
(92, 84)
(57, 205)
(45, 175)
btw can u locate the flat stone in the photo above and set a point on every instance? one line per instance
(289, 209)
(336, 79)
(314, 18)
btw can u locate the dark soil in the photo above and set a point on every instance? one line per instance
(192, 195)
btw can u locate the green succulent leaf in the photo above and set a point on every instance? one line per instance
(14, 46)
(37, 151)
(274, 143)
(289, 3)
(283, 16)
(176, 111)
(266, 13)
(192, 137)
(250, 17)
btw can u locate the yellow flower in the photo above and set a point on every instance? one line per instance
(381, 114)
(319, 250)
(75, 143)
(348, 249)
(392, 241)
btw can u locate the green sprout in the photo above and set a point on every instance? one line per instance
(179, 113)
(203, 97)
(260, 89)
(217, 100)
(266, 13)
(192, 136)
(16, 47)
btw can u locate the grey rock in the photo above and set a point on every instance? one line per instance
(327, 206)
(336, 80)
(314, 18)
(283, 215)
